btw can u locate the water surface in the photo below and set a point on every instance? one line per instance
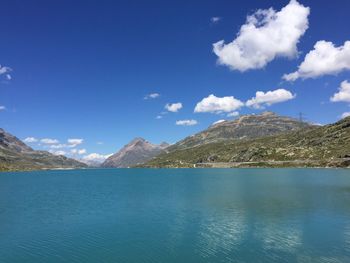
(175, 215)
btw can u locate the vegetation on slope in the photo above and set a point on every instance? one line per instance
(312, 146)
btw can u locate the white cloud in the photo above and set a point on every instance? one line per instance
(74, 142)
(82, 151)
(58, 146)
(99, 143)
(2, 108)
(95, 158)
(324, 59)
(262, 99)
(58, 152)
(343, 94)
(217, 122)
(215, 19)
(233, 114)
(159, 117)
(186, 122)
(215, 104)
(49, 141)
(267, 34)
(5, 70)
(173, 107)
(78, 151)
(345, 114)
(151, 96)
(30, 140)
(54, 144)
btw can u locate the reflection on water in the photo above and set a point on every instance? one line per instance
(283, 237)
(221, 234)
(204, 215)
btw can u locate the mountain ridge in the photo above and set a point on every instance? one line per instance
(245, 127)
(137, 151)
(15, 155)
(314, 146)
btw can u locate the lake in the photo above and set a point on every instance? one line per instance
(175, 215)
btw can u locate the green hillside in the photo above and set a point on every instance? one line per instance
(311, 146)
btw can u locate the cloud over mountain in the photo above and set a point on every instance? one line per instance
(267, 34)
(324, 59)
(49, 141)
(215, 104)
(186, 122)
(343, 94)
(268, 98)
(95, 158)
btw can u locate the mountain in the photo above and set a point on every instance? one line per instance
(311, 146)
(16, 155)
(245, 127)
(136, 152)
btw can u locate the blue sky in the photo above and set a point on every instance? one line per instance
(81, 70)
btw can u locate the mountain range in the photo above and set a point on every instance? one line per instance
(16, 155)
(309, 146)
(266, 139)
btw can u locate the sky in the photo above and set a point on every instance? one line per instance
(83, 78)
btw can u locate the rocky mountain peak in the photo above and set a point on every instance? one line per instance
(135, 152)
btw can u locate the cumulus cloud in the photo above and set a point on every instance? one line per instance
(49, 141)
(345, 114)
(233, 114)
(2, 108)
(215, 104)
(151, 96)
(93, 158)
(30, 140)
(343, 94)
(324, 59)
(262, 99)
(74, 142)
(173, 107)
(267, 34)
(186, 122)
(55, 144)
(217, 122)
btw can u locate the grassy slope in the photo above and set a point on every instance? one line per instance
(321, 144)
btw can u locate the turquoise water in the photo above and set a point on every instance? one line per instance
(175, 215)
